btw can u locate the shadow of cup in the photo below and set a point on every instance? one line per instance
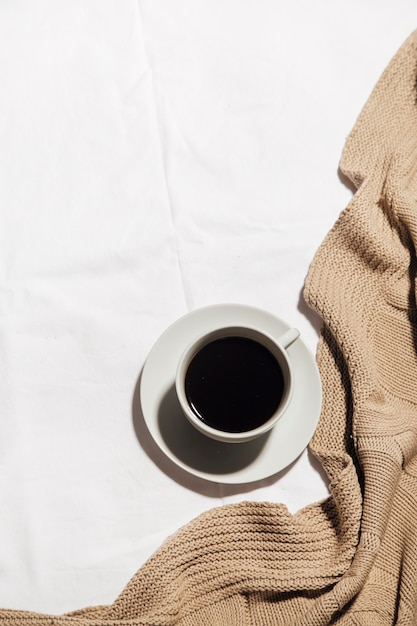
(197, 451)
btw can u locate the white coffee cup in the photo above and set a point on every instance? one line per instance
(258, 376)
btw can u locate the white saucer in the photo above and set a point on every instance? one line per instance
(232, 463)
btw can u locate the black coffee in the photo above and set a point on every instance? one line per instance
(234, 384)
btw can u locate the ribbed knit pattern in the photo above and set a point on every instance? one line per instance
(351, 559)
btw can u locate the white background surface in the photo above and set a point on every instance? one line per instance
(155, 156)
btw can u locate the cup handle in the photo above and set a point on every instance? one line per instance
(288, 338)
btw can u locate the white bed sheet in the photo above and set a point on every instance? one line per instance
(155, 156)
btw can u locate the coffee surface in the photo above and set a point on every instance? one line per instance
(234, 384)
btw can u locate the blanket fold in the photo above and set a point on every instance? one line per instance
(351, 559)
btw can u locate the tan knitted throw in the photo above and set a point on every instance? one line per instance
(351, 559)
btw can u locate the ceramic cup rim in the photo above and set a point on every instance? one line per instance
(237, 330)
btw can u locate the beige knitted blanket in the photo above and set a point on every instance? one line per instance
(351, 559)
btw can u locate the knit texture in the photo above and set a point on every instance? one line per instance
(351, 559)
